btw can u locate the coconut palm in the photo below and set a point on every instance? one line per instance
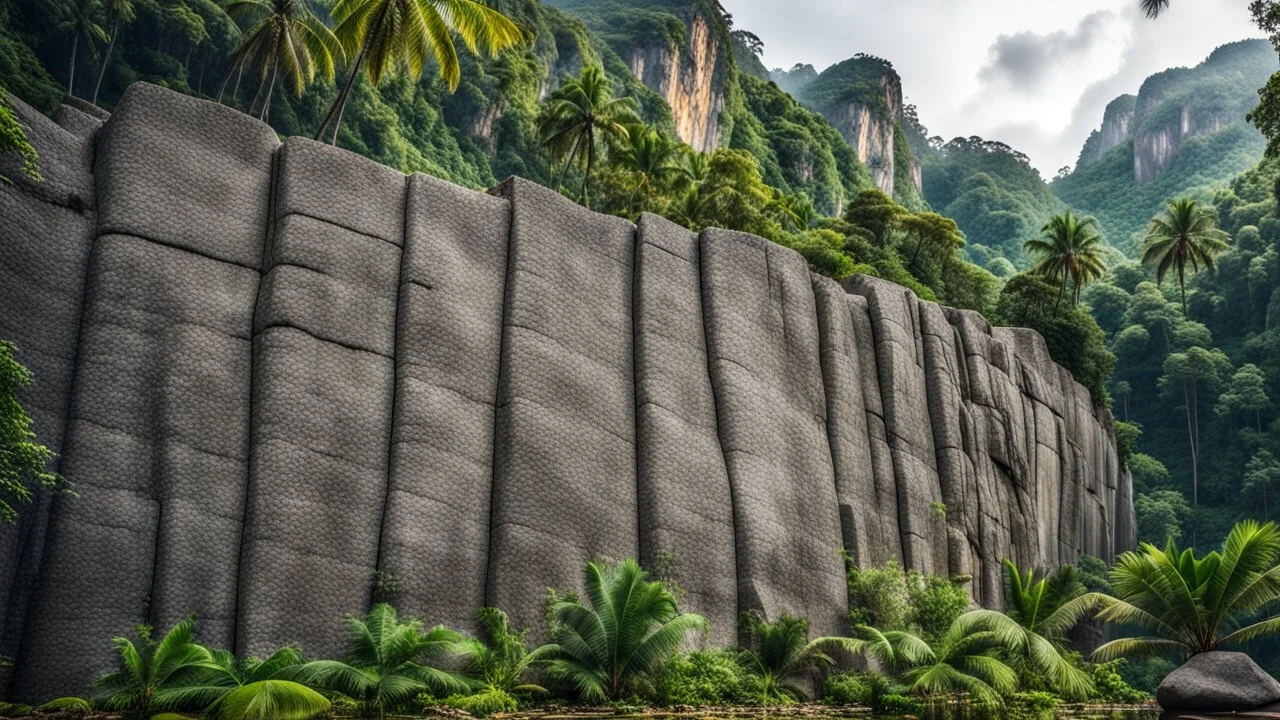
(962, 660)
(1068, 250)
(1191, 605)
(578, 113)
(283, 35)
(117, 13)
(388, 662)
(1153, 8)
(629, 626)
(500, 655)
(1040, 614)
(1185, 233)
(240, 689)
(81, 19)
(650, 156)
(154, 675)
(384, 34)
(780, 654)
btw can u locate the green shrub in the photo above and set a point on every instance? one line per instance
(702, 678)
(1111, 687)
(935, 602)
(8, 709)
(1031, 705)
(485, 703)
(68, 706)
(878, 596)
(857, 688)
(894, 704)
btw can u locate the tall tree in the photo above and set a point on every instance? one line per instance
(577, 115)
(1184, 234)
(1069, 250)
(1261, 475)
(118, 13)
(384, 34)
(81, 19)
(930, 230)
(1191, 370)
(1123, 390)
(1246, 393)
(283, 35)
(650, 156)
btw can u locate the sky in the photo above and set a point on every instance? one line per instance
(1035, 74)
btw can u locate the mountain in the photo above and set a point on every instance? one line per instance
(1184, 132)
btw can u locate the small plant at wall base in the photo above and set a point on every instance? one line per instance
(780, 654)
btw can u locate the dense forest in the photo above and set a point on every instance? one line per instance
(1193, 373)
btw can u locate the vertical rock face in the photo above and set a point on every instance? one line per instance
(1117, 128)
(689, 79)
(276, 371)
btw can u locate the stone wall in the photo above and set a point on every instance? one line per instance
(274, 369)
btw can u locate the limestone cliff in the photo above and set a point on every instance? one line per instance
(274, 369)
(1117, 127)
(862, 98)
(690, 78)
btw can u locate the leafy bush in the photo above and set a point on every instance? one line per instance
(857, 688)
(68, 706)
(936, 602)
(483, 704)
(1111, 687)
(879, 596)
(703, 678)
(894, 704)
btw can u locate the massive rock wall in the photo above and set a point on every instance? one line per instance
(275, 369)
(690, 79)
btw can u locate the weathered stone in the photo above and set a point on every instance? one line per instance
(1218, 682)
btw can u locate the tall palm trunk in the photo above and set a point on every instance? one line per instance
(1182, 286)
(1061, 289)
(106, 59)
(340, 104)
(1195, 454)
(266, 104)
(71, 74)
(591, 158)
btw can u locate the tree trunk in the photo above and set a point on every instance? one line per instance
(916, 254)
(1191, 439)
(1061, 289)
(591, 158)
(71, 75)
(340, 103)
(106, 59)
(573, 154)
(266, 104)
(1182, 286)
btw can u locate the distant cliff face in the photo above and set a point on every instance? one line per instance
(690, 79)
(475, 393)
(862, 98)
(1181, 103)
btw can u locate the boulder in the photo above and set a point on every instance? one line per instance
(1218, 682)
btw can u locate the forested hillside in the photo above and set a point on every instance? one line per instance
(1184, 133)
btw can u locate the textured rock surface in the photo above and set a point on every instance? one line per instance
(689, 78)
(275, 370)
(1218, 682)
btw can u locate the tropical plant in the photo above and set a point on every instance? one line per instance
(269, 700)
(154, 675)
(500, 655)
(250, 688)
(963, 659)
(1068, 250)
(13, 141)
(1186, 233)
(630, 625)
(283, 35)
(650, 156)
(780, 654)
(82, 20)
(1189, 605)
(117, 13)
(384, 34)
(388, 662)
(68, 706)
(578, 113)
(1038, 617)
(23, 461)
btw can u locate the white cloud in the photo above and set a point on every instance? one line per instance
(1036, 75)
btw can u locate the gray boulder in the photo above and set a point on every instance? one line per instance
(1218, 682)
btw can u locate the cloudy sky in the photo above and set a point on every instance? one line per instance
(1035, 74)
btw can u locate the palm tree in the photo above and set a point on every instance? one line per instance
(1185, 233)
(81, 19)
(780, 654)
(388, 662)
(1069, 250)
(1153, 8)
(252, 688)
(500, 655)
(1191, 605)
(1040, 614)
(579, 111)
(283, 35)
(648, 154)
(381, 34)
(154, 675)
(962, 660)
(269, 700)
(629, 627)
(118, 12)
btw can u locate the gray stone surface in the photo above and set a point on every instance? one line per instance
(762, 336)
(564, 475)
(323, 383)
(685, 503)
(275, 370)
(1218, 682)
